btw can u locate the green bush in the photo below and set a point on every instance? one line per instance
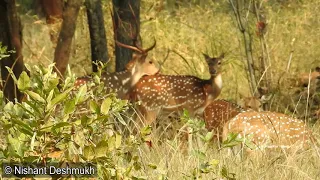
(49, 122)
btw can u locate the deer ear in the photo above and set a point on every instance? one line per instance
(221, 56)
(206, 57)
(129, 66)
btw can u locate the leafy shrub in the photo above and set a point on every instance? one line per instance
(49, 127)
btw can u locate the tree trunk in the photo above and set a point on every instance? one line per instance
(10, 36)
(126, 29)
(99, 51)
(62, 51)
(52, 10)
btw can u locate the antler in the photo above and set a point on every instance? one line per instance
(129, 47)
(135, 47)
(134, 37)
(150, 48)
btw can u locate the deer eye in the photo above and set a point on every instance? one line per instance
(150, 62)
(219, 62)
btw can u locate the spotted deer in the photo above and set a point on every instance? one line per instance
(122, 82)
(269, 130)
(220, 111)
(174, 93)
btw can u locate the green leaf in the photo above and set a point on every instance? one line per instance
(111, 143)
(49, 98)
(60, 125)
(18, 110)
(22, 124)
(35, 96)
(12, 74)
(33, 140)
(249, 141)
(232, 140)
(25, 131)
(94, 107)
(101, 149)
(16, 146)
(186, 113)
(105, 107)
(52, 84)
(81, 94)
(88, 152)
(9, 107)
(214, 162)
(60, 97)
(120, 105)
(69, 107)
(146, 130)
(85, 120)
(24, 81)
(199, 154)
(34, 107)
(208, 136)
(118, 140)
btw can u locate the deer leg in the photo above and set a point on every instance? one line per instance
(146, 116)
(150, 117)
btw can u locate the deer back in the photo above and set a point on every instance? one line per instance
(219, 112)
(269, 129)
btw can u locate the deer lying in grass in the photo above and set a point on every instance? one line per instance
(175, 93)
(270, 130)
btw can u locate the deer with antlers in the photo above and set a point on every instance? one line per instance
(174, 93)
(122, 82)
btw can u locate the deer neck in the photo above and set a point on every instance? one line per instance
(216, 86)
(135, 76)
(120, 82)
(212, 89)
(129, 79)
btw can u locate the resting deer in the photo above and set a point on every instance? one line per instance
(270, 129)
(172, 92)
(122, 82)
(220, 111)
